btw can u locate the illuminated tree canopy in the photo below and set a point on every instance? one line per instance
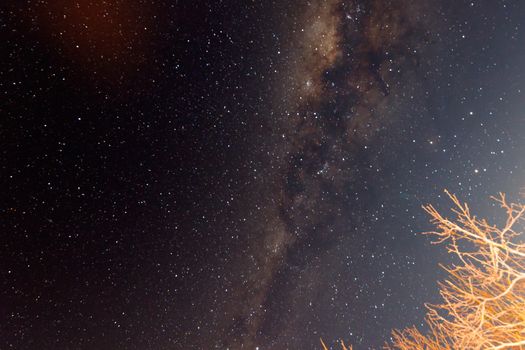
(483, 298)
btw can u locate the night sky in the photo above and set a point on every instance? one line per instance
(243, 174)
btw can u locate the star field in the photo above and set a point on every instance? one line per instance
(225, 175)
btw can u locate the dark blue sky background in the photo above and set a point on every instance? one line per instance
(191, 175)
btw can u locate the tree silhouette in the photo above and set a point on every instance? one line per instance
(483, 298)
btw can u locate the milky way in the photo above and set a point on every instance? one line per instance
(356, 68)
(221, 176)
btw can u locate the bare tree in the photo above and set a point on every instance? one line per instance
(483, 298)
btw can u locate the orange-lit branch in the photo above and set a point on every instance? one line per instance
(343, 346)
